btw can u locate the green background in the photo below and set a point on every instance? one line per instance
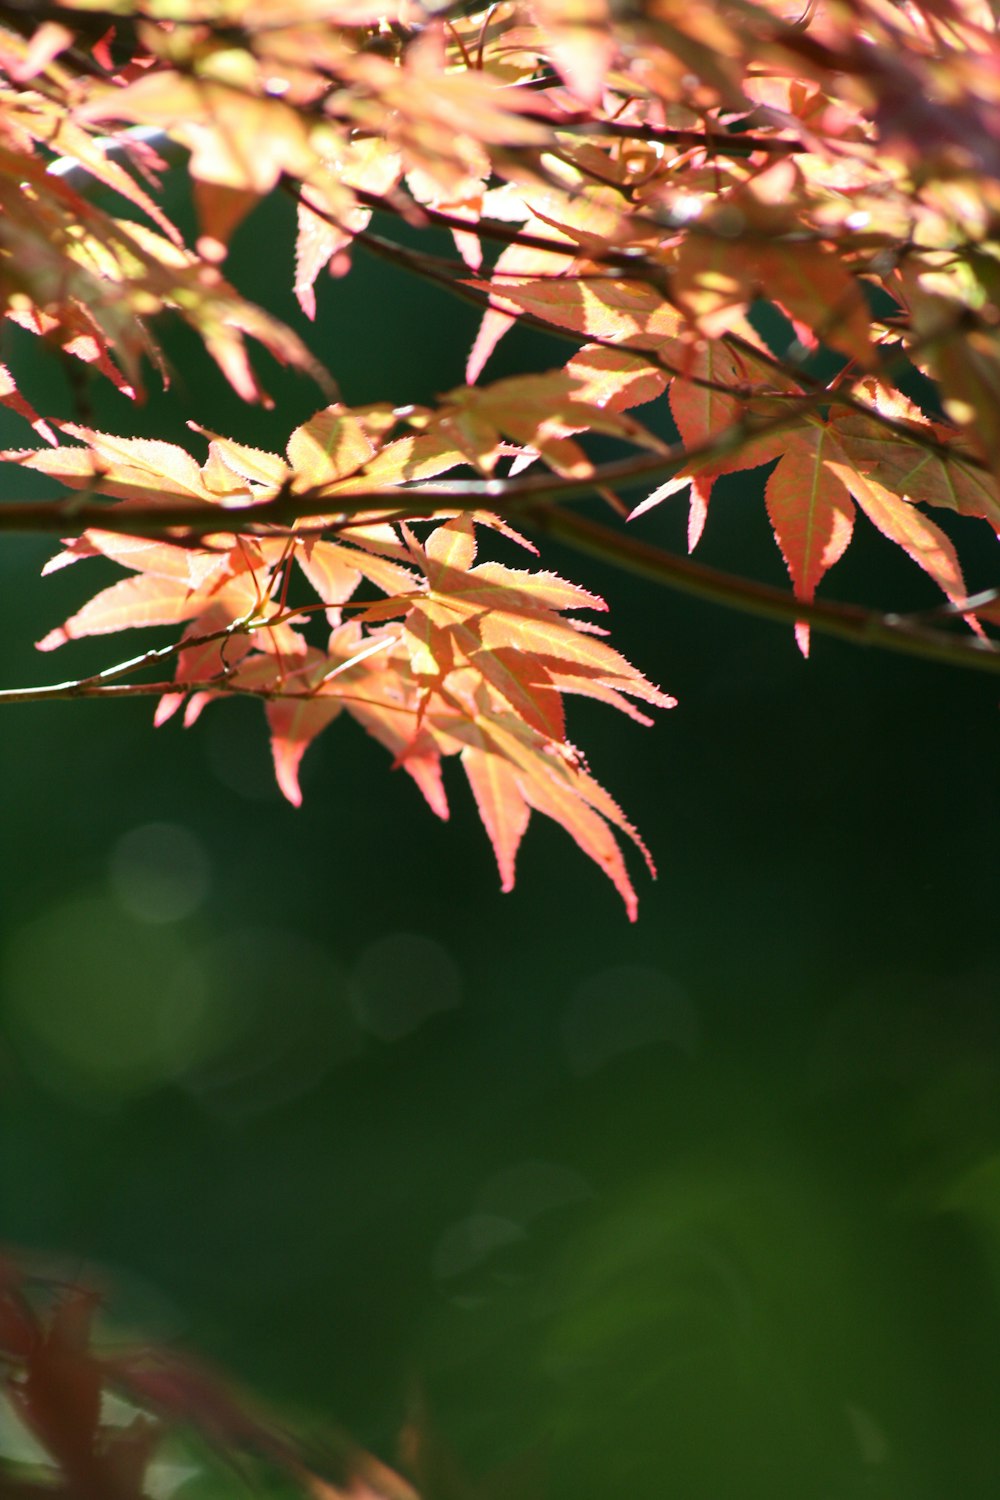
(707, 1207)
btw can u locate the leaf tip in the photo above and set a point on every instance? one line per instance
(57, 637)
(287, 757)
(166, 708)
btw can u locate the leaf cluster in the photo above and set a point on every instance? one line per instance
(640, 181)
(86, 1420)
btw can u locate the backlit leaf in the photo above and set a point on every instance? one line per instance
(502, 806)
(811, 513)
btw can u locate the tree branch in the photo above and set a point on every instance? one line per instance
(848, 622)
(74, 515)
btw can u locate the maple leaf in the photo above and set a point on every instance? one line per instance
(701, 406)
(809, 497)
(294, 724)
(908, 527)
(329, 215)
(144, 469)
(508, 628)
(528, 270)
(236, 141)
(613, 378)
(716, 279)
(611, 308)
(76, 148)
(530, 776)
(479, 648)
(446, 123)
(942, 475)
(648, 179)
(536, 411)
(811, 513)
(820, 469)
(581, 43)
(328, 447)
(91, 277)
(208, 652)
(11, 396)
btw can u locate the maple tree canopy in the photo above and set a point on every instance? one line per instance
(643, 181)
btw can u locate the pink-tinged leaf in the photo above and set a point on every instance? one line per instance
(222, 330)
(377, 537)
(908, 527)
(195, 705)
(457, 519)
(701, 491)
(332, 576)
(255, 465)
(700, 408)
(552, 637)
(77, 331)
(699, 411)
(203, 661)
(421, 456)
(469, 247)
(717, 278)
(166, 707)
(76, 549)
(581, 43)
(236, 140)
(385, 704)
(616, 310)
(330, 446)
(615, 379)
(316, 243)
(491, 330)
(545, 790)
(48, 41)
(426, 772)
(124, 468)
(382, 610)
(553, 782)
(662, 492)
(11, 396)
(221, 210)
(811, 284)
(583, 221)
(536, 412)
(513, 260)
(523, 682)
(811, 513)
(137, 601)
(942, 476)
(503, 528)
(504, 812)
(328, 214)
(592, 687)
(76, 147)
(189, 565)
(562, 647)
(282, 641)
(574, 677)
(381, 571)
(431, 650)
(423, 765)
(453, 545)
(294, 724)
(592, 792)
(493, 586)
